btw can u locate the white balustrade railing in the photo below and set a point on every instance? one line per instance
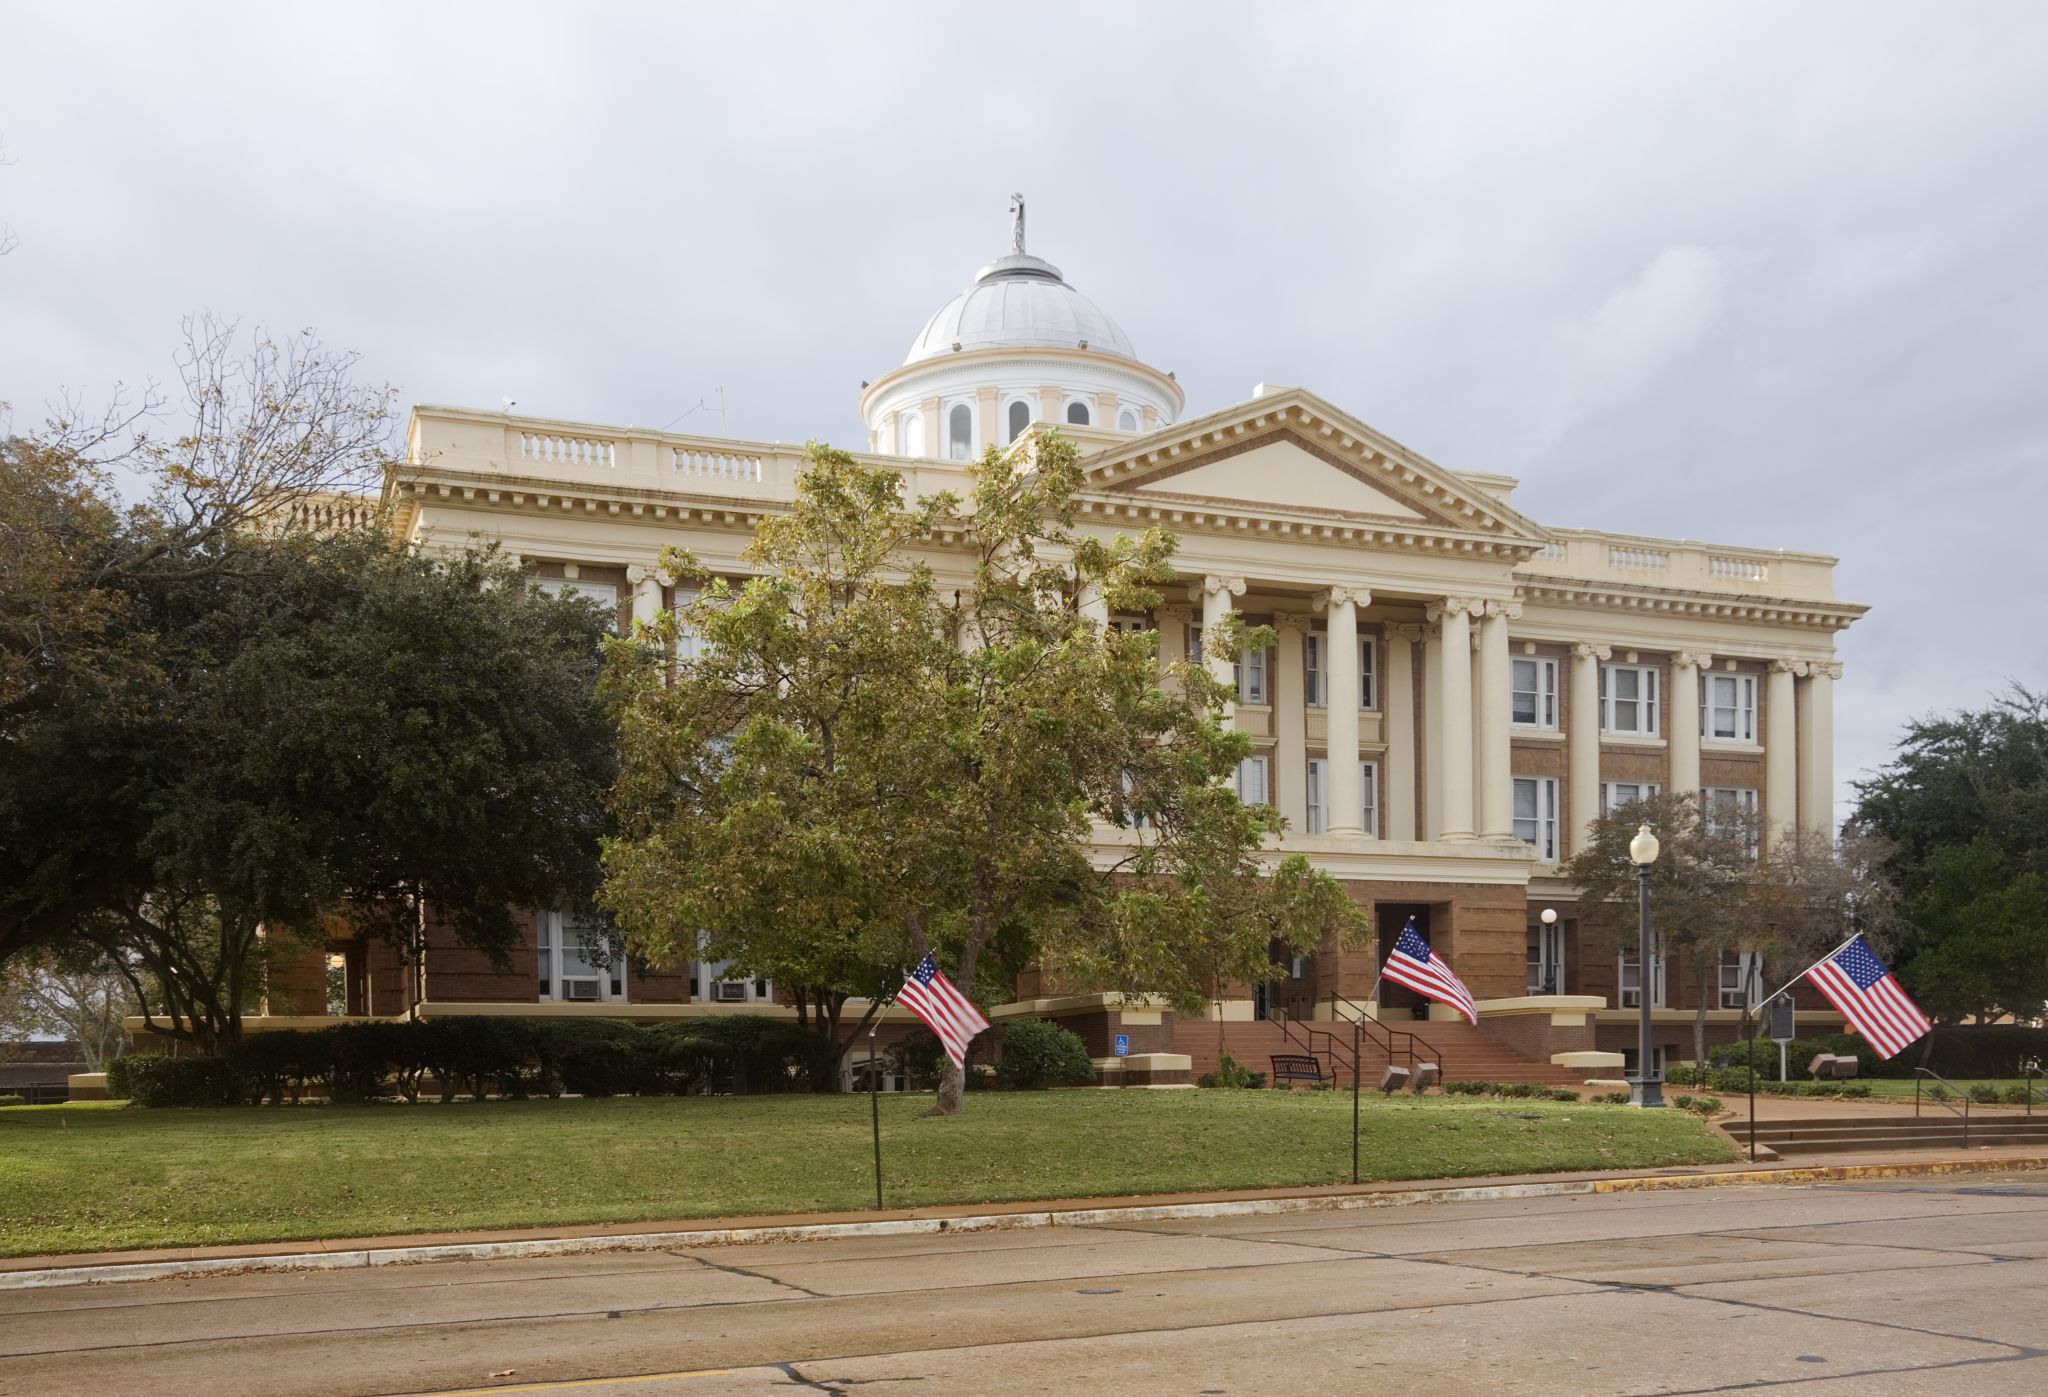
(1554, 551)
(1727, 568)
(557, 449)
(716, 464)
(1636, 558)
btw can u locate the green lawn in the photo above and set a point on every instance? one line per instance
(86, 1178)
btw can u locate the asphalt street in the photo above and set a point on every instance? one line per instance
(1923, 1285)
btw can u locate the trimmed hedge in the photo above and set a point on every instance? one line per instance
(480, 1057)
(1039, 1053)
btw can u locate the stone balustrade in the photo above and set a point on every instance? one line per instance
(1595, 556)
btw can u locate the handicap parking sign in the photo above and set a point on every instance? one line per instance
(1123, 1045)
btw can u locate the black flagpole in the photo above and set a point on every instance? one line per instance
(874, 1091)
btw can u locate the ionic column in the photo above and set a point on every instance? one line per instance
(1583, 737)
(1433, 730)
(1217, 593)
(1781, 751)
(1817, 748)
(1400, 711)
(1454, 712)
(1684, 734)
(1290, 721)
(1093, 603)
(1496, 779)
(1173, 634)
(1340, 675)
(646, 593)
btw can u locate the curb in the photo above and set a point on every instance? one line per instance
(987, 1222)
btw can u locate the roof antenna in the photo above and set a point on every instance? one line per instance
(1017, 225)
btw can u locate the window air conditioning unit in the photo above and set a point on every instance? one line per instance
(579, 989)
(730, 991)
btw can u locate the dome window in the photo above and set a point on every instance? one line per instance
(910, 435)
(1127, 421)
(960, 432)
(1020, 418)
(1077, 414)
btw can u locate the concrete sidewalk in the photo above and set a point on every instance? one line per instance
(84, 1268)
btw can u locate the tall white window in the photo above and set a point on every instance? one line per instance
(1741, 976)
(1077, 413)
(1313, 649)
(1731, 810)
(1615, 794)
(603, 593)
(1251, 677)
(1126, 421)
(1728, 707)
(1368, 695)
(575, 960)
(1628, 700)
(712, 981)
(1312, 669)
(1319, 796)
(1251, 781)
(1020, 418)
(1536, 813)
(689, 644)
(960, 432)
(910, 434)
(1532, 694)
(1630, 971)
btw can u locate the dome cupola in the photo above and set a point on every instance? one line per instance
(1018, 346)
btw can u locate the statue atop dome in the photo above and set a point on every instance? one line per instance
(1016, 225)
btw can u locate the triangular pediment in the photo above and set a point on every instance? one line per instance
(1279, 470)
(1288, 453)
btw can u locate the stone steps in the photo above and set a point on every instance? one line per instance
(1466, 1054)
(1843, 1134)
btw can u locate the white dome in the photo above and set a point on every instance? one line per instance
(1019, 301)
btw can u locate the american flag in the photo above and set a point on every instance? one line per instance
(1856, 982)
(928, 994)
(1413, 964)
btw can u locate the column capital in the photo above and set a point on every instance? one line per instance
(1454, 606)
(1591, 650)
(1797, 668)
(1337, 596)
(1403, 630)
(646, 572)
(1831, 668)
(1509, 610)
(1179, 613)
(1692, 659)
(1291, 622)
(1213, 584)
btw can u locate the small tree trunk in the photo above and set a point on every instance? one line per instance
(951, 1084)
(1699, 1022)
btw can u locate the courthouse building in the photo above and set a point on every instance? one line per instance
(1455, 690)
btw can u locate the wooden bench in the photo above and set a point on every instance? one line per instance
(1298, 1067)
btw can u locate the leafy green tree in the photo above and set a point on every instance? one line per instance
(873, 760)
(1963, 807)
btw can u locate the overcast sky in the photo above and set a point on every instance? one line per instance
(1759, 274)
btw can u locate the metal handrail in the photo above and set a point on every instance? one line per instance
(1304, 1035)
(1920, 1072)
(1386, 1036)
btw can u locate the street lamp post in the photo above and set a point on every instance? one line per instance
(1546, 963)
(1646, 1088)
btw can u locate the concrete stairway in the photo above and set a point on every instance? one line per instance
(1847, 1134)
(1466, 1053)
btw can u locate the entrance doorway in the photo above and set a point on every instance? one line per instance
(1397, 1001)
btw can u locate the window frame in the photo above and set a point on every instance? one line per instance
(550, 946)
(1262, 762)
(1743, 709)
(1137, 422)
(959, 448)
(1648, 699)
(1313, 685)
(1608, 804)
(1544, 791)
(907, 424)
(1740, 965)
(1315, 778)
(1659, 988)
(606, 594)
(1016, 428)
(1545, 695)
(1080, 405)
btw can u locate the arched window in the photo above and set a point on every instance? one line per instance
(1077, 413)
(960, 432)
(1127, 421)
(1020, 418)
(910, 434)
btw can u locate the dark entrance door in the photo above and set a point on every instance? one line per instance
(1388, 919)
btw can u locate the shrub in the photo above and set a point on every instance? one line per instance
(2020, 1095)
(281, 1060)
(1705, 1105)
(1855, 1090)
(121, 1076)
(1684, 1076)
(1563, 1094)
(151, 1080)
(748, 1053)
(10, 1099)
(1467, 1088)
(1984, 1094)
(1518, 1091)
(1683, 1103)
(1612, 1098)
(1729, 1079)
(1232, 1073)
(599, 1057)
(1037, 1053)
(1938, 1092)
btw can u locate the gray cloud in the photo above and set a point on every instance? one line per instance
(1753, 273)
